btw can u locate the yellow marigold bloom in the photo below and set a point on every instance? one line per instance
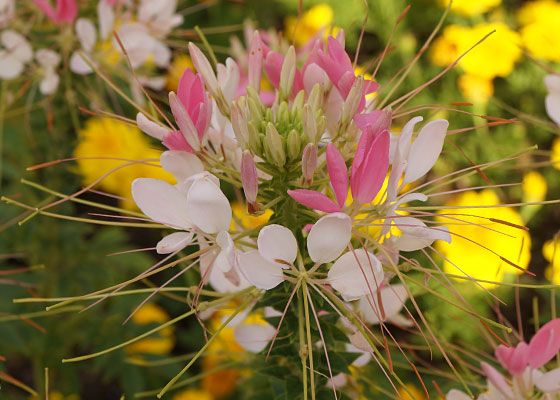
(103, 137)
(475, 89)
(148, 314)
(469, 8)
(193, 394)
(534, 187)
(555, 156)
(551, 252)
(417, 394)
(494, 57)
(314, 20)
(511, 243)
(540, 30)
(176, 69)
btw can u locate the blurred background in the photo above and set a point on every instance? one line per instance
(47, 257)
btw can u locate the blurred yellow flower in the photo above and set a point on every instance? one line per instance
(540, 31)
(193, 394)
(163, 341)
(555, 155)
(494, 57)
(247, 221)
(475, 89)
(313, 21)
(103, 137)
(176, 69)
(551, 252)
(469, 8)
(509, 242)
(56, 395)
(534, 187)
(417, 394)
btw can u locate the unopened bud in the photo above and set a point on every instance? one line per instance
(255, 142)
(383, 122)
(309, 163)
(309, 124)
(315, 99)
(249, 179)
(283, 114)
(184, 121)
(274, 146)
(149, 127)
(297, 105)
(288, 73)
(255, 62)
(239, 124)
(293, 145)
(352, 102)
(204, 68)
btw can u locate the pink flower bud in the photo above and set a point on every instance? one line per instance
(203, 67)
(256, 55)
(309, 163)
(249, 179)
(184, 121)
(65, 11)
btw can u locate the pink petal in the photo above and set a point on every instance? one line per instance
(273, 66)
(338, 172)
(46, 7)
(314, 200)
(255, 62)
(545, 344)
(374, 169)
(176, 141)
(497, 379)
(363, 145)
(514, 359)
(365, 119)
(249, 177)
(66, 10)
(185, 83)
(370, 86)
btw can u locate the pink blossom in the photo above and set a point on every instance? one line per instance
(65, 11)
(368, 171)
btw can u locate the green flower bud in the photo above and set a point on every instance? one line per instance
(274, 146)
(293, 144)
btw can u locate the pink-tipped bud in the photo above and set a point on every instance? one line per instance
(149, 127)
(184, 121)
(204, 68)
(250, 180)
(239, 124)
(309, 163)
(255, 62)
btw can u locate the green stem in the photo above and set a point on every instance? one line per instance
(302, 347)
(309, 339)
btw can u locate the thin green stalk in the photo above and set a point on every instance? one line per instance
(2, 106)
(36, 211)
(254, 293)
(81, 201)
(206, 46)
(7, 318)
(201, 307)
(302, 347)
(309, 339)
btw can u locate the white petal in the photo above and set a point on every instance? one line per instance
(329, 237)
(228, 78)
(550, 381)
(47, 58)
(106, 18)
(552, 105)
(277, 242)
(552, 83)
(49, 83)
(222, 284)
(150, 127)
(356, 274)
(339, 380)
(226, 257)
(405, 137)
(174, 242)
(10, 67)
(161, 53)
(455, 394)
(87, 34)
(254, 337)
(262, 273)
(78, 64)
(181, 164)
(207, 207)
(364, 357)
(425, 150)
(392, 299)
(17, 45)
(161, 202)
(416, 235)
(186, 184)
